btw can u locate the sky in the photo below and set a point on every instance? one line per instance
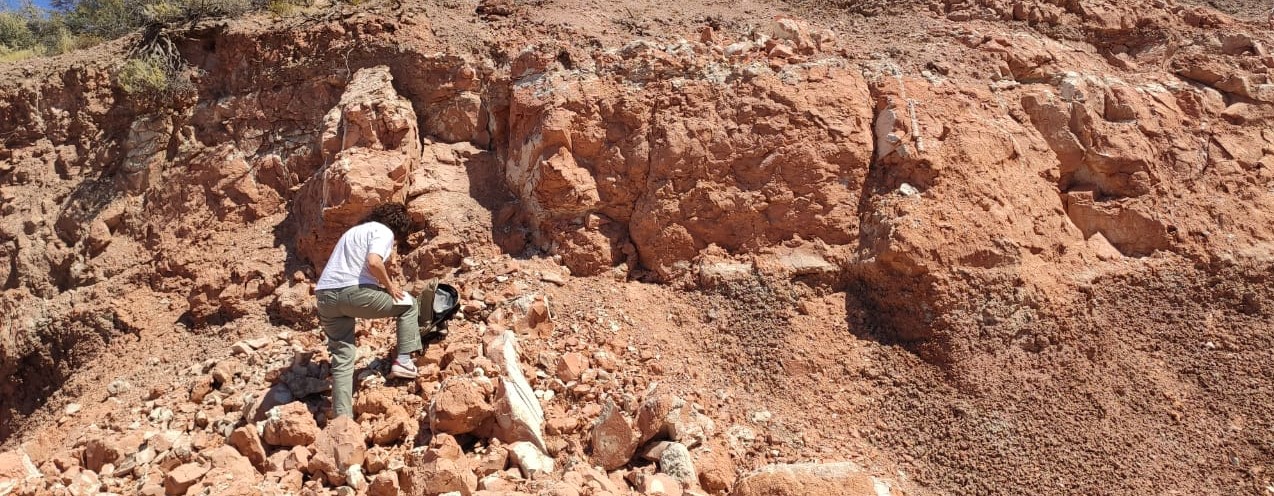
(14, 4)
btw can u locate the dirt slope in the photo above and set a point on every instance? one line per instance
(975, 247)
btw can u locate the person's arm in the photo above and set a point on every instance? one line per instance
(376, 266)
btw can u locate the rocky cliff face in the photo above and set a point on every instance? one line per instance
(1019, 209)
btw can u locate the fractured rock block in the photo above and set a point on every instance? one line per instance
(440, 469)
(181, 478)
(339, 446)
(290, 425)
(248, 442)
(461, 406)
(371, 143)
(613, 439)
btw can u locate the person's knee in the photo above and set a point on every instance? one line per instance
(411, 311)
(343, 356)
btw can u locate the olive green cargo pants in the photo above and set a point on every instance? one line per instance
(337, 309)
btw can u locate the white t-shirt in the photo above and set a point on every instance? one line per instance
(348, 264)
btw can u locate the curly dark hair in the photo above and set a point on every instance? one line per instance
(394, 216)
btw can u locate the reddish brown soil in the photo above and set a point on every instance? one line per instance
(986, 247)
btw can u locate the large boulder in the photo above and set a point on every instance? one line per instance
(460, 406)
(339, 446)
(290, 425)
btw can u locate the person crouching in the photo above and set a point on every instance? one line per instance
(355, 284)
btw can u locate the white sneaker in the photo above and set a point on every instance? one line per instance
(403, 370)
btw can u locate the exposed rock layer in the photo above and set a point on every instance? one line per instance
(1000, 212)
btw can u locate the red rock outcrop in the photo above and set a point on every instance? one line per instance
(734, 158)
(370, 144)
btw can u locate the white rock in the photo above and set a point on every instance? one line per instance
(676, 462)
(258, 343)
(241, 348)
(25, 473)
(908, 190)
(146, 455)
(740, 438)
(717, 273)
(553, 277)
(735, 49)
(354, 477)
(160, 415)
(519, 416)
(73, 408)
(118, 387)
(530, 459)
(690, 427)
(489, 482)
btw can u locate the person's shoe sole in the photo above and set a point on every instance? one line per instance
(401, 372)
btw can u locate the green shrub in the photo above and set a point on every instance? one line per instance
(31, 33)
(57, 39)
(145, 75)
(15, 32)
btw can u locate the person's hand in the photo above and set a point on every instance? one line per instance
(395, 291)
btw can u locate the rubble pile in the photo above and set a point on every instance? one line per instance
(510, 403)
